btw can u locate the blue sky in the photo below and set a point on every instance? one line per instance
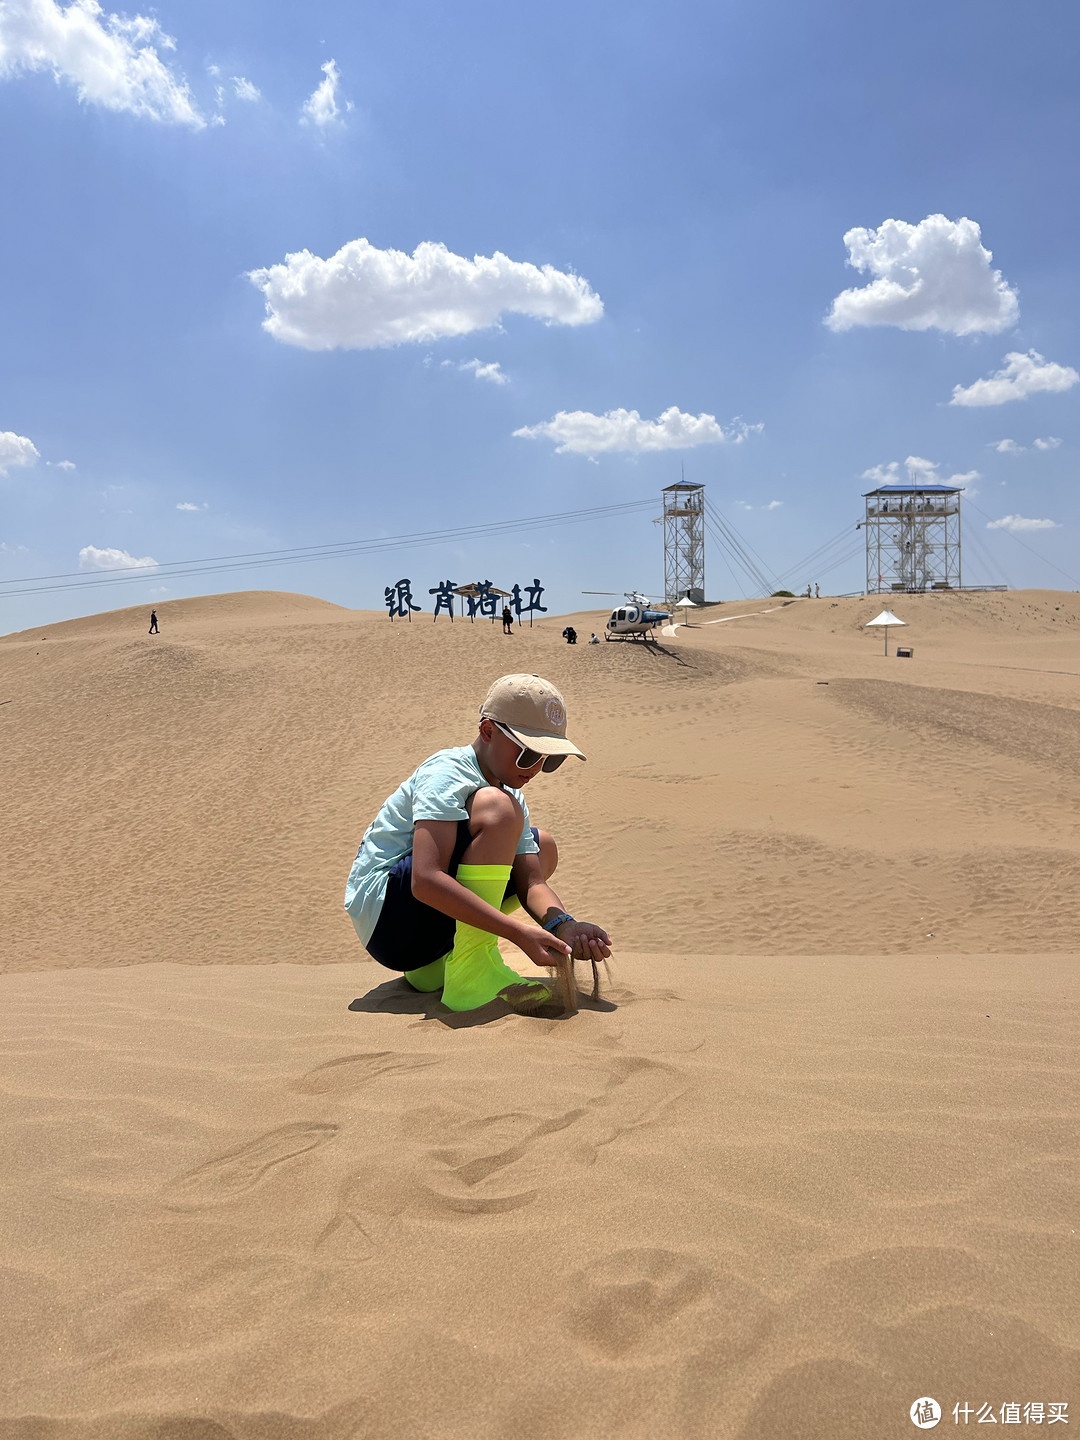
(670, 188)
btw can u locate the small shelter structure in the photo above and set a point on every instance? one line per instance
(686, 604)
(477, 593)
(885, 619)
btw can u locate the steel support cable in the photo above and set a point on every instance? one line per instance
(1024, 543)
(730, 559)
(984, 558)
(764, 570)
(841, 560)
(302, 554)
(826, 561)
(759, 579)
(816, 555)
(752, 560)
(724, 536)
(734, 558)
(739, 584)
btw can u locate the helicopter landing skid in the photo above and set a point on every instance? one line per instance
(648, 638)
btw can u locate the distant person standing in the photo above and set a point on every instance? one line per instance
(153, 623)
(808, 590)
(817, 591)
(508, 620)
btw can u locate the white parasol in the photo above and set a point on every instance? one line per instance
(885, 619)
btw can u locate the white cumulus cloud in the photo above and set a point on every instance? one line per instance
(1047, 442)
(580, 432)
(1023, 374)
(16, 450)
(91, 558)
(363, 297)
(244, 89)
(112, 60)
(1007, 447)
(933, 275)
(321, 107)
(1020, 522)
(773, 505)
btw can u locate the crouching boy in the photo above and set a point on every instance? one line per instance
(451, 854)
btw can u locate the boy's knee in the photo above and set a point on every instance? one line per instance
(549, 853)
(490, 807)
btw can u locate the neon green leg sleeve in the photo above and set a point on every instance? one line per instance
(428, 977)
(475, 972)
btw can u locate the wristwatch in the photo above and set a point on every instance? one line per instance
(553, 924)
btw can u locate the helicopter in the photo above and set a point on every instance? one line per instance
(634, 620)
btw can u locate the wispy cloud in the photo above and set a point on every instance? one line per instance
(1047, 442)
(922, 472)
(321, 108)
(244, 89)
(491, 370)
(1020, 522)
(92, 558)
(580, 432)
(112, 60)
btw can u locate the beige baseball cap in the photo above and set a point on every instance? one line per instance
(533, 711)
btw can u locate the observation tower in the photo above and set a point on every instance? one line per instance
(684, 542)
(912, 538)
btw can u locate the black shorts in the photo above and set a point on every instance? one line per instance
(409, 933)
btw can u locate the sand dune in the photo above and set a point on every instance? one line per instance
(812, 1156)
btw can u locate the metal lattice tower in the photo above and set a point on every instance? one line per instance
(912, 538)
(684, 542)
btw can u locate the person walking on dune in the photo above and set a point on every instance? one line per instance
(508, 620)
(153, 623)
(451, 856)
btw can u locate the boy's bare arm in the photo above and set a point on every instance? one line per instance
(586, 941)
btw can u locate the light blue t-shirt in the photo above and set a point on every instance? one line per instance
(436, 790)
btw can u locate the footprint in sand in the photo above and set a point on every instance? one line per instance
(352, 1071)
(621, 1300)
(664, 1305)
(223, 1178)
(480, 1150)
(493, 1163)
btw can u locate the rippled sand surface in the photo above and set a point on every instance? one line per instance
(813, 1154)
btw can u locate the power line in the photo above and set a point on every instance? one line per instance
(262, 559)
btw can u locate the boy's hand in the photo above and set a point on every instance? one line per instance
(587, 942)
(541, 948)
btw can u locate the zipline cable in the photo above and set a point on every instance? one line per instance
(1071, 578)
(301, 554)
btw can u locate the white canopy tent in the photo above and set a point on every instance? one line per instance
(885, 619)
(685, 604)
